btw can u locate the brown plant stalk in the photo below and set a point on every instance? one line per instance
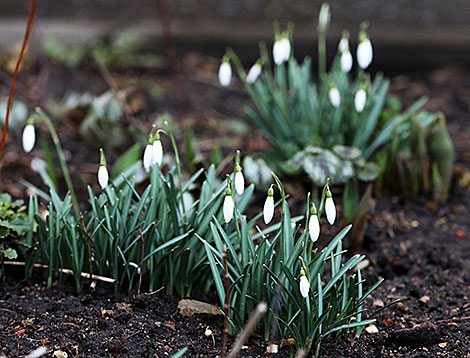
(15, 77)
(226, 308)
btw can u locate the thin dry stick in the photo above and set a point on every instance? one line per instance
(66, 271)
(141, 259)
(89, 247)
(260, 310)
(224, 339)
(15, 76)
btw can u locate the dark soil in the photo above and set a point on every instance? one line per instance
(421, 250)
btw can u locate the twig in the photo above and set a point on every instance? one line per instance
(277, 309)
(141, 260)
(260, 310)
(88, 244)
(15, 76)
(224, 339)
(66, 271)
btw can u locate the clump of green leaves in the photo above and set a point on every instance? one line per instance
(269, 269)
(14, 224)
(336, 125)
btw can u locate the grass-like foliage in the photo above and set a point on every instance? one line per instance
(270, 269)
(134, 236)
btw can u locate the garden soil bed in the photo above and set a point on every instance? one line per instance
(422, 250)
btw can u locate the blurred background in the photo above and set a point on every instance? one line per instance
(406, 33)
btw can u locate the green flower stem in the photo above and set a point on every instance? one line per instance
(63, 163)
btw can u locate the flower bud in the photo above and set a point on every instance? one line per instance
(346, 61)
(304, 284)
(268, 209)
(225, 72)
(324, 17)
(364, 52)
(228, 206)
(360, 100)
(314, 225)
(330, 208)
(29, 137)
(157, 151)
(103, 175)
(281, 50)
(335, 97)
(239, 182)
(254, 73)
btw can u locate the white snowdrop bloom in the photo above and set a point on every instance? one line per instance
(364, 53)
(360, 100)
(335, 97)
(103, 175)
(268, 210)
(225, 73)
(330, 208)
(346, 61)
(157, 151)
(29, 137)
(228, 206)
(281, 50)
(304, 284)
(147, 160)
(343, 45)
(314, 227)
(239, 182)
(254, 73)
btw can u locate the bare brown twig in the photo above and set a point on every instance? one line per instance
(15, 76)
(141, 259)
(89, 247)
(226, 308)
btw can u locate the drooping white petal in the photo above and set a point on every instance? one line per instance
(253, 73)
(103, 176)
(225, 73)
(29, 138)
(268, 209)
(364, 53)
(330, 210)
(228, 208)
(147, 160)
(360, 100)
(314, 227)
(239, 183)
(346, 61)
(343, 45)
(157, 153)
(281, 51)
(335, 97)
(304, 286)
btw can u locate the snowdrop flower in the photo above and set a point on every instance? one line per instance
(335, 97)
(103, 175)
(330, 208)
(29, 136)
(324, 17)
(268, 209)
(228, 205)
(239, 179)
(225, 72)
(304, 284)
(254, 73)
(147, 159)
(360, 100)
(157, 151)
(314, 224)
(364, 52)
(281, 49)
(346, 60)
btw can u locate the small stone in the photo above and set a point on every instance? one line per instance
(378, 303)
(372, 329)
(60, 354)
(190, 308)
(272, 348)
(425, 299)
(442, 345)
